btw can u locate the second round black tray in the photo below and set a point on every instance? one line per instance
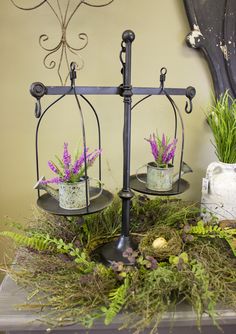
(51, 205)
(136, 185)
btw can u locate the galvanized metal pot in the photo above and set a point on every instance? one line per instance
(158, 179)
(72, 196)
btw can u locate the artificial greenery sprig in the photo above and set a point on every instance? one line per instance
(38, 243)
(77, 290)
(117, 299)
(209, 231)
(222, 121)
(207, 299)
(42, 242)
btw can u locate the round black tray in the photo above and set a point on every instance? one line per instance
(51, 205)
(136, 185)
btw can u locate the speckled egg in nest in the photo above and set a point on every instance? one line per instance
(161, 242)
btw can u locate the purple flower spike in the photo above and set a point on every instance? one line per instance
(67, 175)
(171, 153)
(53, 167)
(153, 144)
(93, 157)
(78, 163)
(166, 152)
(162, 151)
(66, 156)
(55, 180)
(71, 172)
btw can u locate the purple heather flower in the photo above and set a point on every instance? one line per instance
(153, 144)
(162, 151)
(171, 154)
(67, 175)
(69, 170)
(55, 180)
(166, 152)
(93, 156)
(66, 156)
(78, 163)
(53, 167)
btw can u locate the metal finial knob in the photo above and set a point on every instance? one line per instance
(190, 92)
(128, 36)
(38, 90)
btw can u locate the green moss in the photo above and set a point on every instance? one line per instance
(76, 289)
(173, 245)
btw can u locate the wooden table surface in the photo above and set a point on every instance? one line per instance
(22, 321)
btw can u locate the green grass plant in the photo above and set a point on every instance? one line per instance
(222, 121)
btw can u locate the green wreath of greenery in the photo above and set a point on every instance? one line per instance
(56, 262)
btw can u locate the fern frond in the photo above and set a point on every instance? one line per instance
(117, 298)
(42, 242)
(34, 242)
(211, 231)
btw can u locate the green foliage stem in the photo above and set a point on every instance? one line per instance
(34, 242)
(41, 242)
(77, 290)
(222, 121)
(216, 231)
(206, 299)
(211, 231)
(117, 299)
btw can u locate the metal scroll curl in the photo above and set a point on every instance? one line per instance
(58, 56)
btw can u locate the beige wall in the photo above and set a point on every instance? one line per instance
(160, 28)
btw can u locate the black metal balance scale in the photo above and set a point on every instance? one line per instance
(113, 251)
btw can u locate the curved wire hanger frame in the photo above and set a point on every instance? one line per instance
(63, 48)
(177, 114)
(73, 90)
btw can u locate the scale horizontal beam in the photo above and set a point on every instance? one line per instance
(92, 90)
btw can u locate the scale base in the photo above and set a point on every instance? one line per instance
(113, 251)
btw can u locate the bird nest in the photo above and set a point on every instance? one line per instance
(161, 242)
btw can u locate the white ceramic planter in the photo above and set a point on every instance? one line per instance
(158, 179)
(219, 191)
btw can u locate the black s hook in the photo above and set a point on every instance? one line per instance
(189, 106)
(122, 51)
(190, 93)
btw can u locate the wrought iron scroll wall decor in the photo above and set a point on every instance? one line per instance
(64, 14)
(114, 250)
(213, 25)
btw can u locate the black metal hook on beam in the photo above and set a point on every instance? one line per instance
(190, 93)
(163, 73)
(38, 90)
(73, 75)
